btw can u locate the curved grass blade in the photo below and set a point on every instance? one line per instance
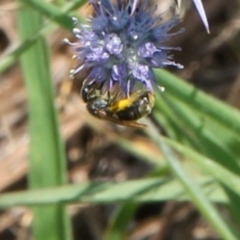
(120, 222)
(217, 171)
(52, 12)
(212, 143)
(220, 112)
(193, 189)
(58, 15)
(229, 181)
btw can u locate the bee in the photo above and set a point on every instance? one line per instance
(125, 111)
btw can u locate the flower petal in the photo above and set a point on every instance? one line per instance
(201, 11)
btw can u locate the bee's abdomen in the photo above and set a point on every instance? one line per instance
(142, 106)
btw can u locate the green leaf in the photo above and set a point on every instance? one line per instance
(224, 114)
(210, 138)
(47, 158)
(195, 192)
(144, 190)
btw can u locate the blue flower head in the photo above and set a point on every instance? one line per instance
(122, 44)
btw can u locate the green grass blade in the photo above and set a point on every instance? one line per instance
(120, 220)
(47, 159)
(229, 181)
(193, 189)
(221, 112)
(212, 139)
(144, 190)
(233, 205)
(60, 16)
(206, 122)
(60, 2)
(52, 12)
(223, 175)
(55, 14)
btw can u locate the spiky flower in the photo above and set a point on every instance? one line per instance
(123, 43)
